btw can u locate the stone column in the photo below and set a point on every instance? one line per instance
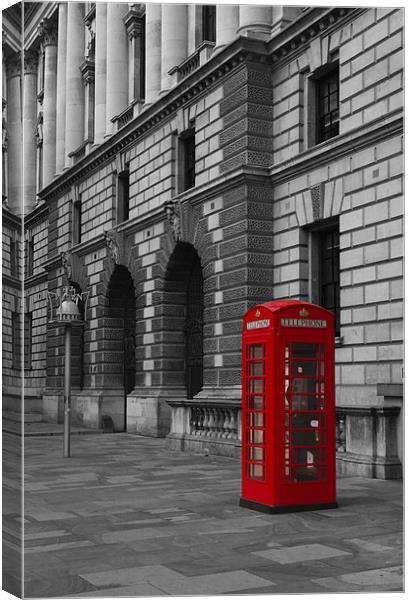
(29, 129)
(48, 33)
(255, 21)
(227, 23)
(61, 86)
(74, 130)
(152, 52)
(174, 37)
(14, 130)
(100, 70)
(117, 63)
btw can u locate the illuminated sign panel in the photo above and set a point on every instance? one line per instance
(258, 324)
(316, 323)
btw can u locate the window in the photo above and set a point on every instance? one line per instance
(209, 23)
(27, 340)
(322, 104)
(16, 340)
(328, 106)
(123, 195)
(13, 257)
(187, 159)
(77, 222)
(325, 270)
(30, 256)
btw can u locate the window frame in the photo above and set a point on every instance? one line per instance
(314, 80)
(187, 159)
(123, 195)
(316, 236)
(209, 23)
(77, 221)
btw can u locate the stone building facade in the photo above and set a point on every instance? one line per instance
(183, 163)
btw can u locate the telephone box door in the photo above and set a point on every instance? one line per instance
(307, 421)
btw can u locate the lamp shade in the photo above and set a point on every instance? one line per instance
(69, 311)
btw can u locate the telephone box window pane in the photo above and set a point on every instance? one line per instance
(256, 403)
(304, 350)
(306, 456)
(305, 367)
(256, 386)
(255, 419)
(256, 471)
(300, 384)
(300, 402)
(255, 453)
(255, 436)
(305, 437)
(308, 473)
(256, 351)
(256, 369)
(305, 420)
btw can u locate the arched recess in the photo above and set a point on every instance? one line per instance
(120, 333)
(183, 320)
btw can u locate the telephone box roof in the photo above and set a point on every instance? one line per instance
(278, 305)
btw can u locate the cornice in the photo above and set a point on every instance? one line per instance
(13, 282)
(338, 147)
(192, 87)
(35, 280)
(314, 22)
(39, 214)
(11, 219)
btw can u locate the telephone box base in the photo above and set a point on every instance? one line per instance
(284, 509)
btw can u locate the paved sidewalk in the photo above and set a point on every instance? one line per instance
(124, 516)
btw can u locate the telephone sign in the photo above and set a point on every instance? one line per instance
(288, 408)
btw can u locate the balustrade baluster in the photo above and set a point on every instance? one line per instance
(225, 423)
(211, 422)
(205, 427)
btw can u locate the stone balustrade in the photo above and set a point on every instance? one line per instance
(214, 422)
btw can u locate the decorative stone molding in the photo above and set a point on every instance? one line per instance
(112, 243)
(30, 62)
(38, 130)
(87, 69)
(66, 258)
(133, 20)
(13, 66)
(319, 202)
(173, 213)
(47, 32)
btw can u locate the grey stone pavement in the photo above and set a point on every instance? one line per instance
(125, 516)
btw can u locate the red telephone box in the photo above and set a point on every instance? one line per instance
(288, 408)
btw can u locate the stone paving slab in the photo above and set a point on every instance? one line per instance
(96, 525)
